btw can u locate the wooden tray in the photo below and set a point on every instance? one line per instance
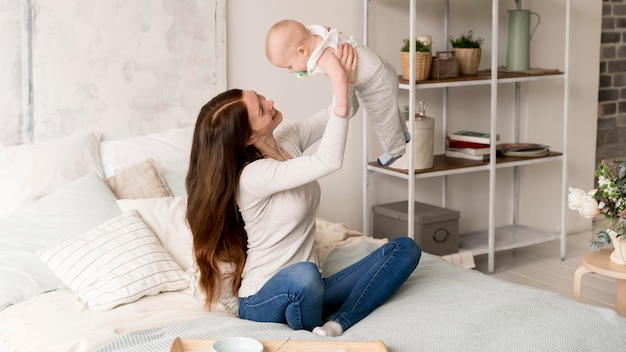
(197, 345)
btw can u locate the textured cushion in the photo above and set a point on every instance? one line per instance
(30, 171)
(118, 262)
(166, 218)
(170, 149)
(69, 211)
(139, 181)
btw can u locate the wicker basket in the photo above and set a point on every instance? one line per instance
(423, 60)
(469, 59)
(444, 66)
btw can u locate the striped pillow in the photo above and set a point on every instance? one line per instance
(118, 262)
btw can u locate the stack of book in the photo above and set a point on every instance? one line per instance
(469, 145)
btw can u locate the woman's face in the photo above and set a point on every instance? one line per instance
(263, 117)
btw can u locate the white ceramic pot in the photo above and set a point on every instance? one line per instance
(618, 255)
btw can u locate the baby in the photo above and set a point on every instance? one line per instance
(311, 49)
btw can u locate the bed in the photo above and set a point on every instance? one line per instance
(70, 202)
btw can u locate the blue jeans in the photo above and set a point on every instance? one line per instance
(299, 296)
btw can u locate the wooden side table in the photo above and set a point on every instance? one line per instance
(601, 264)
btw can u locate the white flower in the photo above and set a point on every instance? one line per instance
(603, 181)
(575, 198)
(589, 207)
(586, 205)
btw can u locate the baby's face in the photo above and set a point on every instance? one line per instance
(292, 60)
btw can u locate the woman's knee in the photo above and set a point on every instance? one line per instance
(408, 248)
(305, 276)
(302, 269)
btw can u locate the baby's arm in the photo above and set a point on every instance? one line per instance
(330, 64)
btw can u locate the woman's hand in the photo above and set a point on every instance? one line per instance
(349, 59)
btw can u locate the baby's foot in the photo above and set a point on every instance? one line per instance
(407, 136)
(386, 159)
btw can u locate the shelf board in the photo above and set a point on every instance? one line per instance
(443, 165)
(506, 237)
(484, 77)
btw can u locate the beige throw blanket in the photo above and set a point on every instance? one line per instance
(330, 235)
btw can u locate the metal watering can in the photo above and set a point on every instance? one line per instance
(518, 51)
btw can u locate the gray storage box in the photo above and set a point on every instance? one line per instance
(436, 228)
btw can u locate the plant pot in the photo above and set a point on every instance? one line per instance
(423, 60)
(618, 256)
(469, 60)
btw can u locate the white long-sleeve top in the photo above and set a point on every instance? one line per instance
(279, 200)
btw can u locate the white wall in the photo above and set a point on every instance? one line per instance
(118, 67)
(12, 130)
(342, 192)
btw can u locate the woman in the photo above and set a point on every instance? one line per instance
(253, 200)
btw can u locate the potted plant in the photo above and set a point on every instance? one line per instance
(423, 60)
(467, 49)
(609, 199)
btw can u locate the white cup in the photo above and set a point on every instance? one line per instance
(237, 344)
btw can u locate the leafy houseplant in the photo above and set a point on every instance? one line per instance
(609, 199)
(466, 40)
(467, 49)
(423, 60)
(419, 46)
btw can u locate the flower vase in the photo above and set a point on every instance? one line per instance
(618, 256)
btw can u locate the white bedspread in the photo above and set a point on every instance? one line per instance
(441, 307)
(59, 321)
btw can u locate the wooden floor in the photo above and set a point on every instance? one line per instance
(541, 266)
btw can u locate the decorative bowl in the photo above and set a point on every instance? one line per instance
(237, 344)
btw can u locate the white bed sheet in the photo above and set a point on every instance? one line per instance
(41, 322)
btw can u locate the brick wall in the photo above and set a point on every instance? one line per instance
(611, 135)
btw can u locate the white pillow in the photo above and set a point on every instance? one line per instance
(69, 211)
(175, 181)
(166, 217)
(170, 149)
(30, 171)
(118, 262)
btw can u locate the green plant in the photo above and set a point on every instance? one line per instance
(466, 40)
(419, 46)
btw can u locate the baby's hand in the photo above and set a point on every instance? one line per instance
(349, 59)
(340, 110)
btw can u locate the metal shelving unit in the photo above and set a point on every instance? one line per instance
(492, 239)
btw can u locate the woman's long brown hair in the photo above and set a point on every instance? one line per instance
(218, 154)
